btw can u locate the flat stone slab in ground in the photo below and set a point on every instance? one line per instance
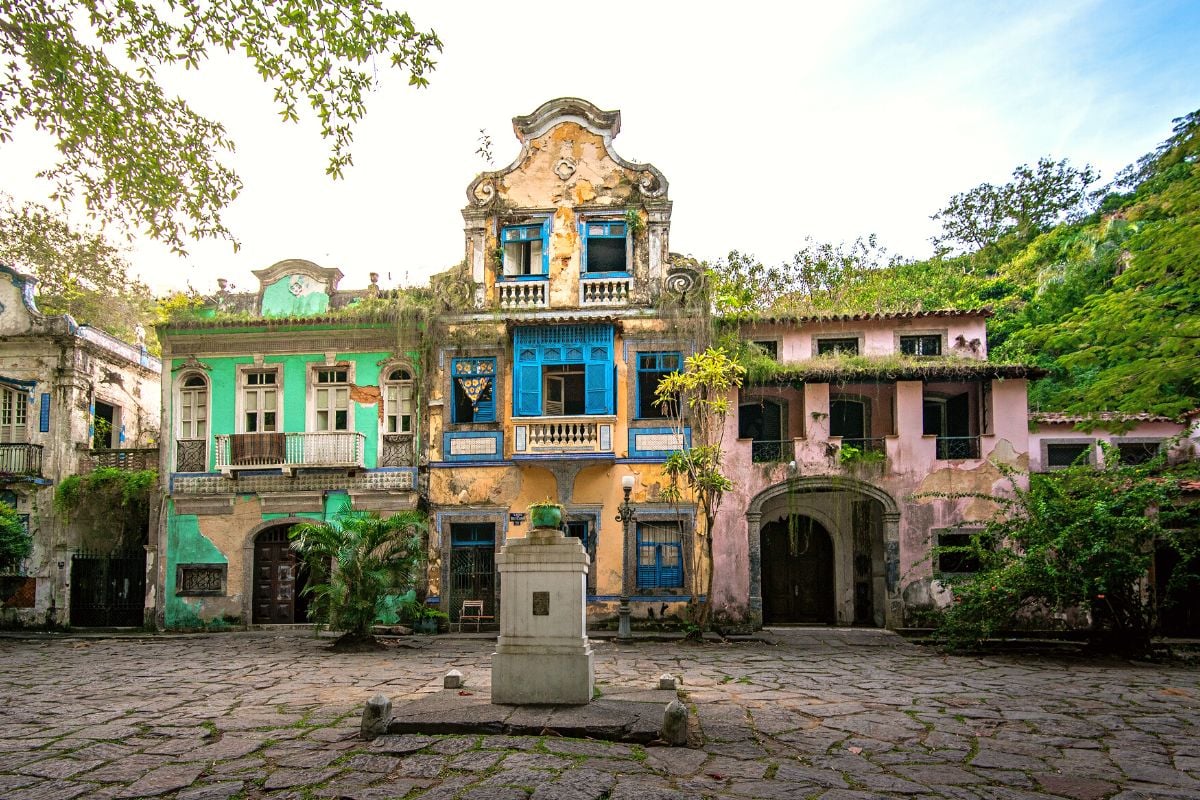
(636, 721)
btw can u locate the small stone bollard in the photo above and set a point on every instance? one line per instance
(666, 681)
(453, 680)
(375, 718)
(675, 724)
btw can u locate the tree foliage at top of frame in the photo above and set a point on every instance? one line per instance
(84, 72)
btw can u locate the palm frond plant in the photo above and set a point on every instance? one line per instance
(354, 561)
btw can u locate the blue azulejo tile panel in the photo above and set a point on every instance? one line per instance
(473, 446)
(657, 442)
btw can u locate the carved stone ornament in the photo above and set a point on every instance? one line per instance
(191, 362)
(484, 192)
(565, 168)
(650, 184)
(682, 281)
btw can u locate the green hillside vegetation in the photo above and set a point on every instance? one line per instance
(1102, 290)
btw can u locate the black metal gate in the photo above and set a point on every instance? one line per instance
(472, 577)
(108, 590)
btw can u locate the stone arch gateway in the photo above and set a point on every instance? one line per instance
(863, 525)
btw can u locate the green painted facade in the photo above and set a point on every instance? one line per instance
(187, 544)
(294, 296)
(294, 395)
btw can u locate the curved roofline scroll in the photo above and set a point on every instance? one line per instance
(651, 183)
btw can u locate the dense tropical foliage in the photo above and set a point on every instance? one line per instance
(356, 560)
(1101, 289)
(1079, 540)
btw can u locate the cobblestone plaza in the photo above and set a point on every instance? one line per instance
(812, 713)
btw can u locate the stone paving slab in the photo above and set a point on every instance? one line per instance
(812, 714)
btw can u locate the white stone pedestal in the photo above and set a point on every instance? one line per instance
(542, 656)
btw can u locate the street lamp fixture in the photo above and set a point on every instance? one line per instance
(626, 515)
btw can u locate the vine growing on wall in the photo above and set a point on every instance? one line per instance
(110, 505)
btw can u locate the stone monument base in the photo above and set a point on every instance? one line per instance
(543, 678)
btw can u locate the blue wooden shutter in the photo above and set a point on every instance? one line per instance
(44, 414)
(485, 410)
(597, 397)
(528, 390)
(546, 246)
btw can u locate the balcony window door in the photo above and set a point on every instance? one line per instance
(260, 401)
(848, 418)
(398, 402)
(106, 425)
(563, 370)
(764, 422)
(14, 410)
(398, 449)
(191, 449)
(331, 399)
(193, 408)
(949, 419)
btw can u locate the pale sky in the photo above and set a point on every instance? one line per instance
(772, 122)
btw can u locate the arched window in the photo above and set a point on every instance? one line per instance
(192, 446)
(193, 407)
(398, 401)
(399, 420)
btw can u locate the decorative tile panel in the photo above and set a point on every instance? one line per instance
(381, 480)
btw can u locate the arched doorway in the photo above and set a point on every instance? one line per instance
(797, 572)
(279, 579)
(859, 520)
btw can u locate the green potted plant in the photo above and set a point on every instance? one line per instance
(429, 620)
(546, 514)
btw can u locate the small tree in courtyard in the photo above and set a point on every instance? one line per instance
(354, 561)
(698, 398)
(1078, 539)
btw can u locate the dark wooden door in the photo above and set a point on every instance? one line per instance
(797, 572)
(278, 579)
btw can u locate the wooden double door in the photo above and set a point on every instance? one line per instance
(797, 572)
(279, 579)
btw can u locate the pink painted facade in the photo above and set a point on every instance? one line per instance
(832, 517)
(1059, 439)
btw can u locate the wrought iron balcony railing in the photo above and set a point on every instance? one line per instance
(766, 451)
(191, 455)
(290, 451)
(954, 447)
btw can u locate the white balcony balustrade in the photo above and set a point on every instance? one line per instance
(612, 291)
(523, 294)
(555, 435)
(290, 451)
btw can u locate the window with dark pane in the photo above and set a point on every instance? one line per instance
(651, 369)
(1064, 455)
(846, 346)
(923, 345)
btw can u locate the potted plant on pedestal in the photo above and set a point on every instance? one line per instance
(546, 514)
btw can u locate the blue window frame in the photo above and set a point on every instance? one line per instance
(660, 555)
(563, 370)
(473, 390)
(604, 248)
(526, 250)
(651, 368)
(472, 534)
